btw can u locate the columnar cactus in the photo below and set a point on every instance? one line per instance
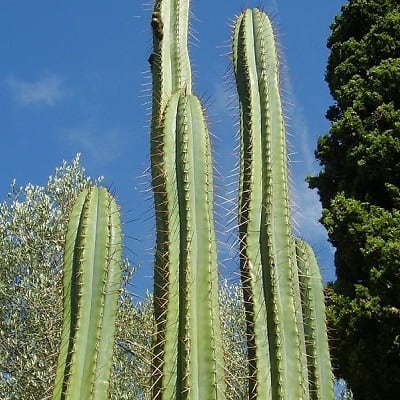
(320, 378)
(187, 353)
(169, 61)
(188, 361)
(277, 333)
(199, 351)
(170, 68)
(91, 281)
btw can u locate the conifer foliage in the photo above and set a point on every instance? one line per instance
(359, 187)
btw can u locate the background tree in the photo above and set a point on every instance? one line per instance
(359, 187)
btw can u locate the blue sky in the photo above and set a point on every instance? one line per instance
(74, 78)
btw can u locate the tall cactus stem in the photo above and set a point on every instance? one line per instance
(91, 281)
(312, 295)
(169, 62)
(198, 361)
(185, 354)
(170, 68)
(266, 246)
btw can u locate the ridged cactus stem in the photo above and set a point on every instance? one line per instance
(169, 61)
(170, 68)
(192, 362)
(320, 375)
(91, 281)
(268, 259)
(200, 359)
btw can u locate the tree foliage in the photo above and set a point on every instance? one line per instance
(359, 187)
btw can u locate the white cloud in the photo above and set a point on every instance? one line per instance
(47, 90)
(99, 146)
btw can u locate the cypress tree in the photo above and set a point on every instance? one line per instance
(359, 187)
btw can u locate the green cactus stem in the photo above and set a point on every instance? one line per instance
(91, 280)
(275, 333)
(169, 62)
(170, 69)
(320, 375)
(171, 72)
(192, 363)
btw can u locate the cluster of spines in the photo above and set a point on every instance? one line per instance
(91, 281)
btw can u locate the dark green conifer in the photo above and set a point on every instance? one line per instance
(359, 187)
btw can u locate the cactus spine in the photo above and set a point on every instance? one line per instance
(91, 280)
(270, 278)
(187, 353)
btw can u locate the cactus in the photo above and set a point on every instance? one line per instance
(91, 281)
(320, 375)
(188, 361)
(170, 68)
(187, 353)
(199, 352)
(169, 62)
(277, 332)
